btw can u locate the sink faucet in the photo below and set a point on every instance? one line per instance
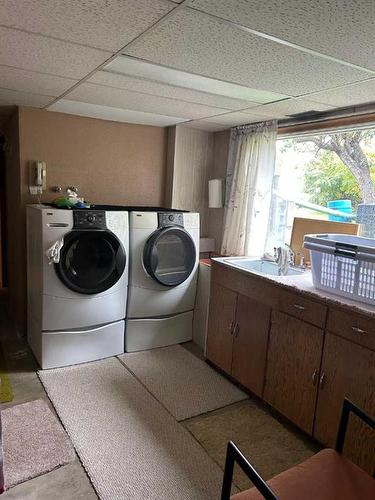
(292, 255)
(284, 257)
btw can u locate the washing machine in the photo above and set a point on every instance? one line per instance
(77, 293)
(164, 249)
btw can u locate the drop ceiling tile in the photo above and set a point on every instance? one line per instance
(125, 99)
(194, 42)
(351, 95)
(162, 90)
(289, 107)
(36, 83)
(14, 98)
(342, 29)
(108, 25)
(236, 118)
(113, 114)
(203, 125)
(38, 53)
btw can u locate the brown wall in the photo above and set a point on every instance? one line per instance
(110, 162)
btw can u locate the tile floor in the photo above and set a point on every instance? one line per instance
(211, 430)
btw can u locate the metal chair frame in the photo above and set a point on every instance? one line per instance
(234, 454)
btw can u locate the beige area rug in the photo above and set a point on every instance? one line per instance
(184, 384)
(269, 445)
(34, 442)
(130, 446)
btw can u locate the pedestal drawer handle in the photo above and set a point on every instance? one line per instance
(314, 377)
(322, 380)
(299, 307)
(358, 330)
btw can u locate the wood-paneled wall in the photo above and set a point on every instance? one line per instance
(190, 165)
(194, 157)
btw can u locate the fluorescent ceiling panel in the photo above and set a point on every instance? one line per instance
(341, 29)
(162, 74)
(126, 82)
(126, 99)
(107, 25)
(197, 43)
(113, 114)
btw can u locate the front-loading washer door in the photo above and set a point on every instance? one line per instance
(169, 256)
(91, 261)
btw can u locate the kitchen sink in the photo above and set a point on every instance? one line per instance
(262, 266)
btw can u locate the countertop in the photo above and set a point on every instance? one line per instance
(302, 284)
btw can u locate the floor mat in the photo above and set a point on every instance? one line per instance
(34, 442)
(269, 445)
(130, 446)
(184, 384)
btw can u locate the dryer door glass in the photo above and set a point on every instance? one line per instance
(91, 261)
(169, 256)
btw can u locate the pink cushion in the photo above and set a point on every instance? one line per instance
(325, 476)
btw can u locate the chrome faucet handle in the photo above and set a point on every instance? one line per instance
(292, 255)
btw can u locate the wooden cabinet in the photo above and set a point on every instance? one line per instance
(348, 370)
(293, 363)
(220, 326)
(237, 336)
(250, 343)
(302, 308)
(305, 364)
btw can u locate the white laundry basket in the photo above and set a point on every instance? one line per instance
(344, 265)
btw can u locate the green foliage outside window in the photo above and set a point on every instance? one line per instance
(328, 178)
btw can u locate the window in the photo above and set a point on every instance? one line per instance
(318, 173)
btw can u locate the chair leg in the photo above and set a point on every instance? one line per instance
(228, 474)
(235, 455)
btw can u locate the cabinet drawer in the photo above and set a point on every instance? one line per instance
(303, 308)
(355, 327)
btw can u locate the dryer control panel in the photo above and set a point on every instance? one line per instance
(170, 219)
(89, 219)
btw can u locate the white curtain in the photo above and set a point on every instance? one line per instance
(251, 166)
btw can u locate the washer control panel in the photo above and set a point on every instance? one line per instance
(170, 219)
(89, 219)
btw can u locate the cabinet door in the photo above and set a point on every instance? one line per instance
(250, 343)
(293, 363)
(220, 326)
(348, 370)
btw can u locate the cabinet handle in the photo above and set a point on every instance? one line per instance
(299, 307)
(314, 377)
(322, 380)
(237, 330)
(358, 330)
(231, 325)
